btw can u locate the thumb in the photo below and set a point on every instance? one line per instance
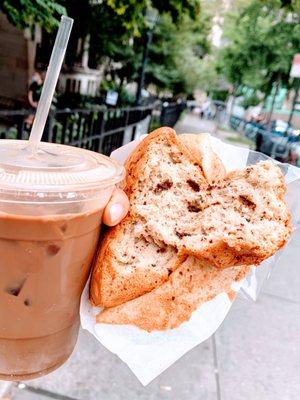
(116, 209)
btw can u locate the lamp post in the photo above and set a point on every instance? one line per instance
(151, 18)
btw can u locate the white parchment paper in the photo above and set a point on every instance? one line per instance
(149, 354)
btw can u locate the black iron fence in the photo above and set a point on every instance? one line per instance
(284, 146)
(98, 130)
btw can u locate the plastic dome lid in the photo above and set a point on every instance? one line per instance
(55, 168)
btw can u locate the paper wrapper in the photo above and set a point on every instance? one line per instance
(149, 354)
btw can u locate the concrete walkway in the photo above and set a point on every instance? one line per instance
(191, 123)
(255, 355)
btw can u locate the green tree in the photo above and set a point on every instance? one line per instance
(291, 5)
(119, 43)
(190, 47)
(23, 13)
(116, 28)
(175, 57)
(179, 43)
(131, 11)
(261, 41)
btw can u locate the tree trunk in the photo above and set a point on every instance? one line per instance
(277, 85)
(121, 82)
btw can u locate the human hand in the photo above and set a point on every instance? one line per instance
(118, 206)
(116, 209)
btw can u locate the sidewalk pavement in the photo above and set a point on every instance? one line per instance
(191, 123)
(255, 355)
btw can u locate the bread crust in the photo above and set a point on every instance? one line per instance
(201, 150)
(173, 303)
(107, 289)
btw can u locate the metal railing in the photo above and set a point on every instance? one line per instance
(273, 144)
(98, 130)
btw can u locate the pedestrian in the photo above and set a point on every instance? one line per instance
(205, 108)
(34, 94)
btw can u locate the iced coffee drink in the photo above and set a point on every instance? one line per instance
(51, 208)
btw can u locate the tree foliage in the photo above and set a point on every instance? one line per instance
(116, 29)
(23, 13)
(291, 5)
(131, 11)
(176, 54)
(117, 33)
(179, 42)
(261, 41)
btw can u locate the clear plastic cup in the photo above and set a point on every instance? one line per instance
(51, 207)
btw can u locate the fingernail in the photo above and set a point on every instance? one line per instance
(116, 212)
